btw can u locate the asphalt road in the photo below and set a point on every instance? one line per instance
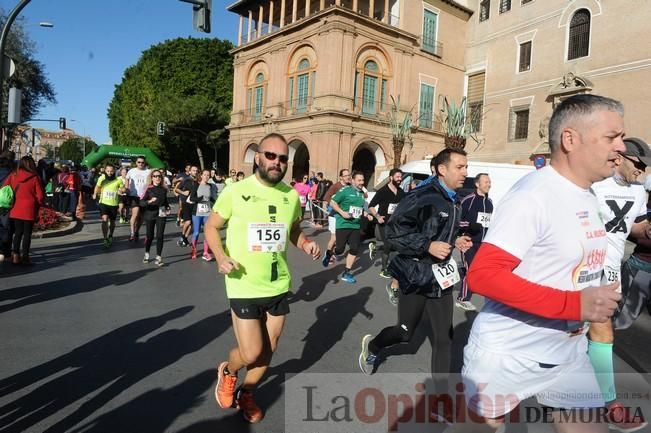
(97, 341)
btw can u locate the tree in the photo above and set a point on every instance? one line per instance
(30, 73)
(186, 83)
(400, 129)
(73, 149)
(458, 124)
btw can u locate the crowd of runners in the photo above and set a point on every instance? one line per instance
(549, 259)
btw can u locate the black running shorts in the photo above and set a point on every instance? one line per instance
(256, 308)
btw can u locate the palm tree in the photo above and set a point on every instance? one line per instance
(400, 129)
(458, 126)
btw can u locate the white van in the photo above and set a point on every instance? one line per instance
(503, 176)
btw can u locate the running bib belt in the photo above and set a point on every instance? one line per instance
(446, 274)
(484, 219)
(392, 207)
(162, 212)
(260, 219)
(303, 200)
(267, 237)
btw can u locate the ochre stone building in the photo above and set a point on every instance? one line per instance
(324, 72)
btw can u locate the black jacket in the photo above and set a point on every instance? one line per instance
(471, 206)
(151, 209)
(424, 215)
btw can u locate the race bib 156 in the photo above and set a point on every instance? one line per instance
(267, 237)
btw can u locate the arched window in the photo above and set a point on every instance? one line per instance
(579, 39)
(374, 88)
(301, 86)
(256, 97)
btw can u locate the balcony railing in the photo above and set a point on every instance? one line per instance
(427, 123)
(432, 46)
(392, 20)
(371, 107)
(298, 106)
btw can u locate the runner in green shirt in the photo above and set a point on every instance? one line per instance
(108, 188)
(349, 203)
(263, 216)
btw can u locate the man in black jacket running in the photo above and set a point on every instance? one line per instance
(424, 230)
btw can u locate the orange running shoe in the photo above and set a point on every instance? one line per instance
(621, 419)
(250, 411)
(225, 388)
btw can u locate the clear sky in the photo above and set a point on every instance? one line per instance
(94, 41)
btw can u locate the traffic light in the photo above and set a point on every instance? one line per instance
(201, 15)
(62, 123)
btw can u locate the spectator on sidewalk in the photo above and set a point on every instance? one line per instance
(28, 197)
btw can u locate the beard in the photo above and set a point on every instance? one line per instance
(271, 174)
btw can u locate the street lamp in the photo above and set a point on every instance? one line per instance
(3, 41)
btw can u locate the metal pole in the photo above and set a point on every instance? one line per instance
(3, 40)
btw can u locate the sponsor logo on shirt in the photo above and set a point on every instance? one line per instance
(600, 233)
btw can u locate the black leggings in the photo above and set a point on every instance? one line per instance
(22, 231)
(410, 310)
(350, 237)
(159, 224)
(381, 236)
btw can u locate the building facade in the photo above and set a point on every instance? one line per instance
(37, 142)
(324, 72)
(325, 75)
(525, 56)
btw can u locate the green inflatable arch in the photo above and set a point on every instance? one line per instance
(111, 151)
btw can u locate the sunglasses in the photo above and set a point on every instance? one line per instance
(140, 162)
(637, 164)
(270, 156)
(156, 175)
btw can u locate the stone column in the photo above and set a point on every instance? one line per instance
(371, 8)
(307, 8)
(282, 14)
(294, 10)
(239, 31)
(260, 18)
(271, 16)
(354, 5)
(248, 35)
(321, 5)
(386, 12)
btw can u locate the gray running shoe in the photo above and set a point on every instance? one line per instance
(366, 358)
(465, 305)
(393, 294)
(371, 250)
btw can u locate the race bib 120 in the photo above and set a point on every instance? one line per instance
(267, 237)
(446, 274)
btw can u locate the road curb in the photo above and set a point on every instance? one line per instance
(74, 227)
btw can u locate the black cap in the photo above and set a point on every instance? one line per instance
(638, 147)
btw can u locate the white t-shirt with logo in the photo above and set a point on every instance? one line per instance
(137, 181)
(553, 226)
(620, 206)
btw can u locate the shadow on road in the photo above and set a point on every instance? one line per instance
(107, 367)
(55, 289)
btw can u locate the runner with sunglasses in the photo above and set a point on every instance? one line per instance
(137, 182)
(155, 210)
(263, 215)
